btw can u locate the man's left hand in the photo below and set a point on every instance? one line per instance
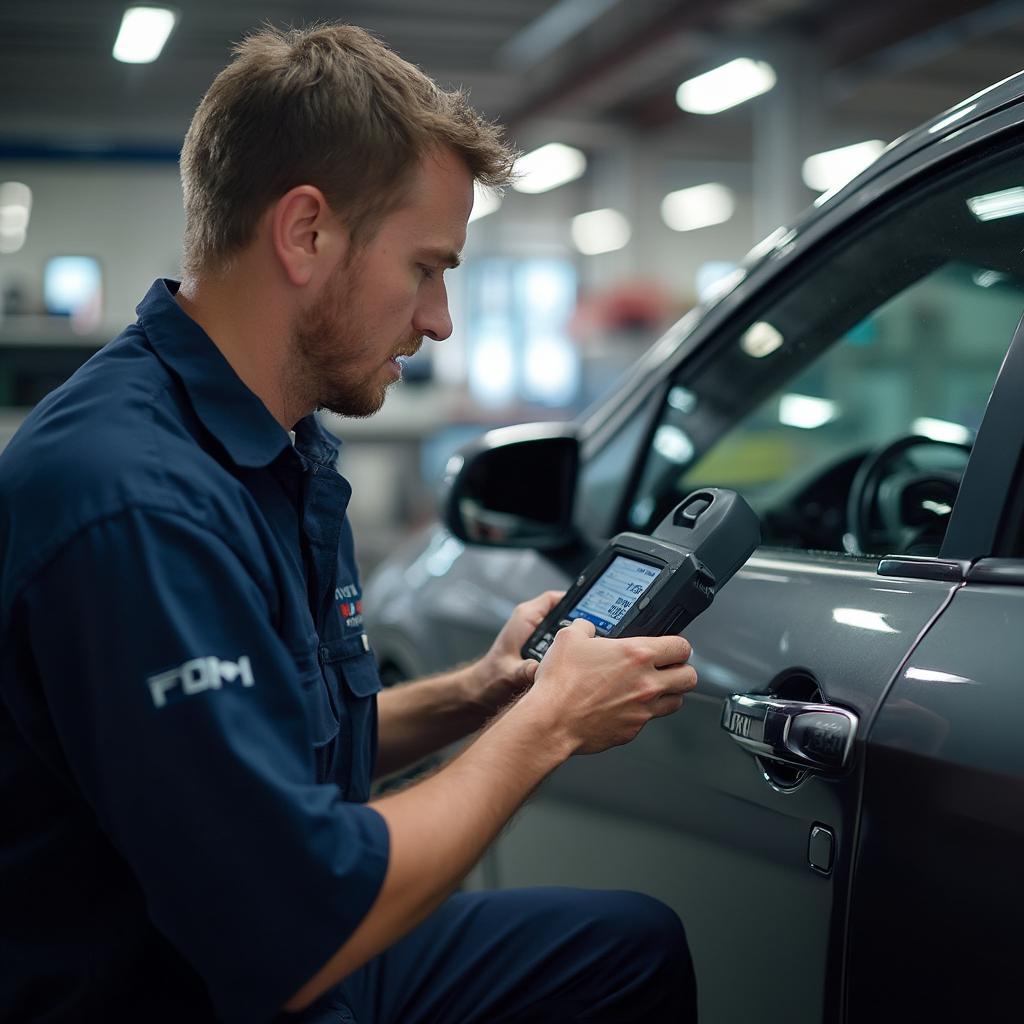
(502, 673)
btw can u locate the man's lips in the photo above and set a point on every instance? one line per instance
(399, 358)
(397, 361)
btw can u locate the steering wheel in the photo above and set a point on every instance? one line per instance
(895, 505)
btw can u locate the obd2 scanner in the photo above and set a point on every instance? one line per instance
(657, 585)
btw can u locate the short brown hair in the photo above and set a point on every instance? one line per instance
(329, 106)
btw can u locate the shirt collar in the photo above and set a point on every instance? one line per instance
(232, 413)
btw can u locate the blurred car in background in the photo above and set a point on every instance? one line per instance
(861, 383)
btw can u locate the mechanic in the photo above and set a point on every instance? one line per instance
(189, 707)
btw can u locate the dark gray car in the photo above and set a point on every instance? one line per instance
(862, 386)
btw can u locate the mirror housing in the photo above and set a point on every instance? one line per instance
(514, 487)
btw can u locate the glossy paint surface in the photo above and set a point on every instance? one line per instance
(938, 876)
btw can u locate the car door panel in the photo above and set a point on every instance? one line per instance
(938, 896)
(448, 604)
(707, 816)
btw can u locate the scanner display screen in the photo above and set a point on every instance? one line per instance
(614, 592)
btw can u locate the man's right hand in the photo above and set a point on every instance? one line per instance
(602, 692)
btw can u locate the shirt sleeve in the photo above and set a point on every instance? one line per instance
(184, 722)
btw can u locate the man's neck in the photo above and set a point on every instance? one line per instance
(251, 333)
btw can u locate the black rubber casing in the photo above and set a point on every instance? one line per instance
(698, 547)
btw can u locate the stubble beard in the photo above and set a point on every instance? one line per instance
(327, 343)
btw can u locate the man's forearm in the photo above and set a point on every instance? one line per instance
(418, 718)
(590, 694)
(440, 827)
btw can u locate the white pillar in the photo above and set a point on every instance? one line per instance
(787, 123)
(614, 186)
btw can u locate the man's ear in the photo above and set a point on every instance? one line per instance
(307, 237)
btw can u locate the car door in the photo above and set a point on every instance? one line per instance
(869, 330)
(941, 838)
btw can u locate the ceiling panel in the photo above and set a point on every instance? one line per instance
(617, 62)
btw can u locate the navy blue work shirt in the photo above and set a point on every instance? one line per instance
(187, 698)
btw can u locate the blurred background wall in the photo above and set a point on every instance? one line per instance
(639, 199)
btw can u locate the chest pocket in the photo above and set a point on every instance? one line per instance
(351, 672)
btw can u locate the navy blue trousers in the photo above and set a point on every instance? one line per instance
(526, 955)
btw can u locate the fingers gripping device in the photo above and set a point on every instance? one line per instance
(657, 585)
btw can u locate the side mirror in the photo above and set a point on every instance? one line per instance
(514, 487)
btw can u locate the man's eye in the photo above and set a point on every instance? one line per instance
(427, 272)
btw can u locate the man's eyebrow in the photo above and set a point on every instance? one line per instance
(447, 257)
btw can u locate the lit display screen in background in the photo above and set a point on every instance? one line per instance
(73, 287)
(614, 592)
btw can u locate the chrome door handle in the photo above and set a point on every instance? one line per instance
(818, 737)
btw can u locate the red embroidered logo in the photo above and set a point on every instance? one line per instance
(350, 605)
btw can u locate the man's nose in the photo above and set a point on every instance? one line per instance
(432, 317)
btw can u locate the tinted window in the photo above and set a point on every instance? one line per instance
(898, 331)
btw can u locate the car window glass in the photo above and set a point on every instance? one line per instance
(807, 407)
(604, 472)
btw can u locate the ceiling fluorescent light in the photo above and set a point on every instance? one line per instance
(806, 412)
(13, 220)
(600, 231)
(548, 167)
(698, 207)
(16, 193)
(828, 171)
(144, 30)
(485, 201)
(1008, 203)
(15, 209)
(11, 241)
(731, 84)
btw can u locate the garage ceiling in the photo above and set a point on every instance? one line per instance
(602, 63)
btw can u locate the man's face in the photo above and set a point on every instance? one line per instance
(386, 296)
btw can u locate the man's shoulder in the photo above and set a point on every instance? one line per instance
(118, 435)
(96, 439)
